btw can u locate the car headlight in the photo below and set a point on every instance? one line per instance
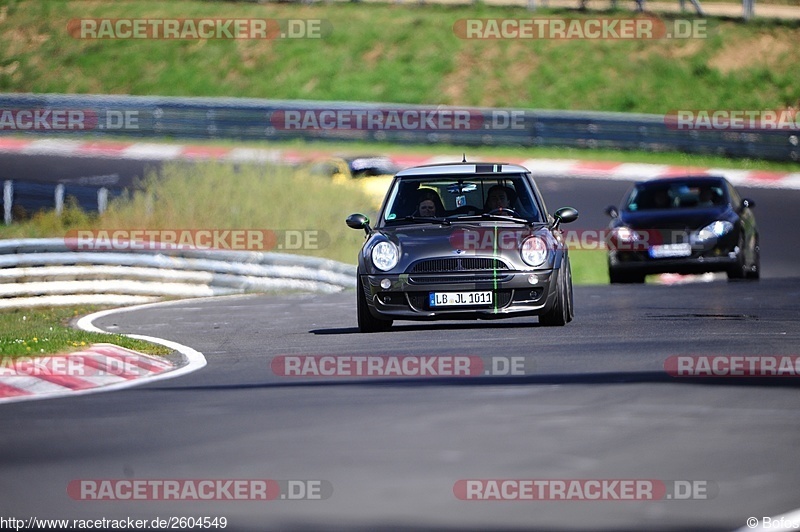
(385, 256)
(626, 234)
(714, 230)
(534, 251)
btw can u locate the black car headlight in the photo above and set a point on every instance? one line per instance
(534, 251)
(385, 256)
(626, 234)
(713, 231)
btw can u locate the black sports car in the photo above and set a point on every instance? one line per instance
(683, 225)
(463, 240)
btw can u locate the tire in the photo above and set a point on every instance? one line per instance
(570, 295)
(558, 315)
(738, 270)
(617, 277)
(367, 323)
(754, 271)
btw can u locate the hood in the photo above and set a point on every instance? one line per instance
(428, 241)
(674, 218)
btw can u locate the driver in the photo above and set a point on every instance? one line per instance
(497, 198)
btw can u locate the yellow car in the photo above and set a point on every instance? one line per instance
(373, 173)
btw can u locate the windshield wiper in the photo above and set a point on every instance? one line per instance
(425, 220)
(495, 217)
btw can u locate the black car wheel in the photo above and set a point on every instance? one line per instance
(570, 297)
(558, 315)
(754, 272)
(739, 270)
(367, 323)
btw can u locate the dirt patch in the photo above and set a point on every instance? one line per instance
(255, 54)
(371, 58)
(765, 50)
(491, 65)
(18, 41)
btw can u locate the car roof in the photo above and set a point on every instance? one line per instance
(463, 168)
(704, 178)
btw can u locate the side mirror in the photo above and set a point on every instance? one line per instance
(748, 203)
(358, 221)
(564, 215)
(612, 211)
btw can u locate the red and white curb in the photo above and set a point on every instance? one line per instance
(99, 365)
(542, 167)
(100, 368)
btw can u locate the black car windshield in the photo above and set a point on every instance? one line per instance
(677, 195)
(455, 197)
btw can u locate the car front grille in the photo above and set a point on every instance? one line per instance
(458, 264)
(465, 278)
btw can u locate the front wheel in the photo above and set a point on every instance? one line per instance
(559, 313)
(754, 272)
(738, 270)
(367, 323)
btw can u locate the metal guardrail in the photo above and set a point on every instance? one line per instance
(255, 119)
(44, 272)
(21, 198)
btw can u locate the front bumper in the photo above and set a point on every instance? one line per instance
(513, 294)
(715, 259)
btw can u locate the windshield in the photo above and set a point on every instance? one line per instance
(457, 197)
(681, 195)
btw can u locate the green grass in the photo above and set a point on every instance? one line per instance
(589, 266)
(39, 332)
(399, 53)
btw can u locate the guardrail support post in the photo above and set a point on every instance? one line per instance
(59, 199)
(8, 199)
(748, 7)
(102, 200)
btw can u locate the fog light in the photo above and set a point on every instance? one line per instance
(532, 279)
(386, 284)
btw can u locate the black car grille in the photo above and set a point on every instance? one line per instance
(457, 264)
(466, 278)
